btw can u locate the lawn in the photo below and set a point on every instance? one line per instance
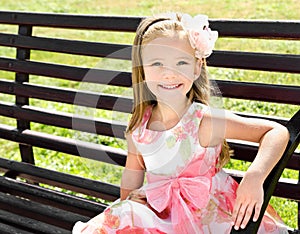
(215, 9)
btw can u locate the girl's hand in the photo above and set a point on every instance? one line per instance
(249, 198)
(138, 195)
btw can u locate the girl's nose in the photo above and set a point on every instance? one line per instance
(169, 73)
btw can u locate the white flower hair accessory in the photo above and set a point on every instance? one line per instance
(201, 37)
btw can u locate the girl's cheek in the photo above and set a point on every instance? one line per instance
(185, 71)
(152, 75)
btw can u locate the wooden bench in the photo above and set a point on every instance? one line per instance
(29, 199)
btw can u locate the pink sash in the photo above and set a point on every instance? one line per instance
(181, 193)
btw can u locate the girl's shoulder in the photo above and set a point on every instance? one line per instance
(199, 108)
(199, 105)
(141, 126)
(211, 112)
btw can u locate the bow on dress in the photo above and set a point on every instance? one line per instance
(190, 189)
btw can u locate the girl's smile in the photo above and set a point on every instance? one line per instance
(170, 86)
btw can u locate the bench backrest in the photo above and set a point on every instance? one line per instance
(21, 76)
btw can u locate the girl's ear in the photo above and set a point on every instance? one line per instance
(198, 66)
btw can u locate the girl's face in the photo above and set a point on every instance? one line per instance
(170, 68)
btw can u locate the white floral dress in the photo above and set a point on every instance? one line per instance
(185, 191)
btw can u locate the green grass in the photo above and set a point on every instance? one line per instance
(255, 9)
(250, 9)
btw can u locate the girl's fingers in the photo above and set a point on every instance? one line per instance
(235, 212)
(257, 211)
(137, 196)
(239, 215)
(242, 214)
(247, 215)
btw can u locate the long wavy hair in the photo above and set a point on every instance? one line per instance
(168, 26)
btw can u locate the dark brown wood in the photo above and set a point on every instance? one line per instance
(271, 29)
(227, 59)
(282, 121)
(97, 49)
(38, 211)
(112, 23)
(96, 188)
(26, 151)
(50, 197)
(227, 28)
(68, 96)
(8, 229)
(255, 61)
(286, 190)
(247, 153)
(261, 92)
(98, 76)
(64, 120)
(22, 222)
(241, 90)
(65, 145)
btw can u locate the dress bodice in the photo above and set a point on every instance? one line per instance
(168, 152)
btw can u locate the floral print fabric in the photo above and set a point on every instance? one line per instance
(185, 191)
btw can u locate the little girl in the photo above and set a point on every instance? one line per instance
(178, 140)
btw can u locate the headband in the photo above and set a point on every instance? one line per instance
(201, 37)
(149, 25)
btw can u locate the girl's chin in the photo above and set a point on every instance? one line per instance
(171, 96)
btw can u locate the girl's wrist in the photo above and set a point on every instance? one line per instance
(256, 175)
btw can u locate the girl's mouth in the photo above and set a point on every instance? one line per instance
(170, 87)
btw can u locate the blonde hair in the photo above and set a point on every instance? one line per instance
(149, 29)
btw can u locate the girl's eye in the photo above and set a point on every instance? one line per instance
(182, 63)
(156, 64)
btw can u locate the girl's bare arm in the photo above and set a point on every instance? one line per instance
(133, 174)
(272, 138)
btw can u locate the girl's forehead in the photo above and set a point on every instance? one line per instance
(167, 47)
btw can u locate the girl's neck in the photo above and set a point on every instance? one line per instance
(168, 115)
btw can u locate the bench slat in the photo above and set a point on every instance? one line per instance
(68, 96)
(277, 119)
(117, 51)
(283, 189)
(38, 211)
(247, 152)
(64, 120)
(98, 76)
(226, 59)
(278, 29)
(242, 151)
(51, 197)
(8, 229)
(96, 188)
(263, 92)
(255, 61)
(288, 191)
(35, 226)
(65, 145)
(271, 29)
(244, 60)
(112, 23)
